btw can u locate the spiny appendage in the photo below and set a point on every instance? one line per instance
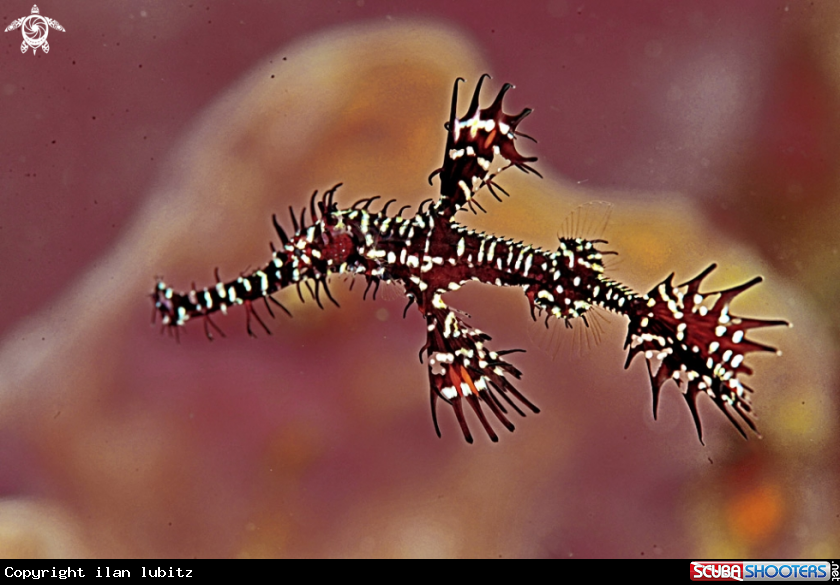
(312, 253)
(462, 369)
(471, 145)
(699, 345)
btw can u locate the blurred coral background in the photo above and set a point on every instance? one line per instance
(156, 139)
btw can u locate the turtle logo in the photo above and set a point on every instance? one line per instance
(35, 28)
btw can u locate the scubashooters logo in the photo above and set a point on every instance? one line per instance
(35, 29)
(717, 571)
(760, 571)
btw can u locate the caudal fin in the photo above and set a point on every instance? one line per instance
(698, 344)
